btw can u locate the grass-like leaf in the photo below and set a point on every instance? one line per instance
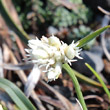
(91, 36)
(76, 85)
(100, 80)
(16, 95)
(87, 80)
(8, 19)
(13, 96)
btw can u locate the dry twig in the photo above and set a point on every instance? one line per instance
(105, 22)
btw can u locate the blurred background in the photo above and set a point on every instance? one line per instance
(68, 20)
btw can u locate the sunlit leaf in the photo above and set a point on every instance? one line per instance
(16, 95)
(87, 80)
(91, 36)
(100, 80)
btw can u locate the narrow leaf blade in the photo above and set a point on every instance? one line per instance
(100, 80)
(8, 19)
(19, 93)
(91, 36)
(13, 96)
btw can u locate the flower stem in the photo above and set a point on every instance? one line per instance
(76, 85)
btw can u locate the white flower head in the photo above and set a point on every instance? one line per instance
(52, 53)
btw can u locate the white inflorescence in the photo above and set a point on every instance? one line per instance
(51, 53)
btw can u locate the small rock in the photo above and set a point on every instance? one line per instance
(97, 50)
(91, 58)
(52, 30)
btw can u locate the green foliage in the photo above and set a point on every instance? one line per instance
(82, 31)
(64, 17)
(9, 20)
(56, 15)
(16, 95)
(23, 7)
(76, 85)
(76, 1)
(100, 80)
(71, 73)
(47, 13)
(91, 36)
(79, 32)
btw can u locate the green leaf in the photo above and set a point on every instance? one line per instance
(16, 94)
(87, 80)
(76, 85)
(13, 96)
(8, 19)
(100, 80)
(91, 36)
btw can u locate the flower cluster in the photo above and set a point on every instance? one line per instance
(51, 53)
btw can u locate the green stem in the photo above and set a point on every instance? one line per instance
(76, 85)
(100, 80)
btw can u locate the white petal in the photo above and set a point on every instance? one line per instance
(44, 39)
(40, 53)
(54, 41)
(70, 52)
